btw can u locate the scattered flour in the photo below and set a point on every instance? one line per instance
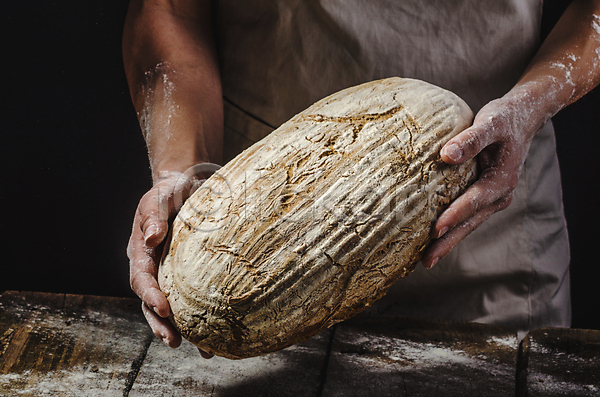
(180, 370)
(408, 353)
(509, 342)
(77, 381)
(100, 373)
(548, 385)
(430, 354)
(567, 69)
(596, 24)
(158, 84)
(596, 27)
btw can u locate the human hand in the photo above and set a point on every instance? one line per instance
(156, 211)
(500, 136)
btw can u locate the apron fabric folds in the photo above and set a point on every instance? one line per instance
(277, 57)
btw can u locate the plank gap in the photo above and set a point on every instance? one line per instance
(323, 376)
(136, 365)
(522, 361)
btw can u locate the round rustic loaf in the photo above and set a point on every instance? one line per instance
(313, 223)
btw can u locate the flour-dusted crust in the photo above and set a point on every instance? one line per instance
(315, 222)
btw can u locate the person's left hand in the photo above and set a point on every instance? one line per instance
(500, 135)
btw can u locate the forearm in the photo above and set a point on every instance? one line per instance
(171, 67)
(566, 66)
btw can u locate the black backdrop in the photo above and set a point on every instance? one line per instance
(74, 163)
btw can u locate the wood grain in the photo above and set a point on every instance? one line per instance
(70, 345)
(295, 371)
(386, 356)
(560, 362)
(76, 345)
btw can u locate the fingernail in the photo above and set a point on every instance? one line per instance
(433, 262)
(442, 232)
(204, 354)
(150, 232)
(453, 151)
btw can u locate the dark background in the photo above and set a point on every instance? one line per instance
(74, 165)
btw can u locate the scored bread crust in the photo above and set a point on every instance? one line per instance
(316, 221)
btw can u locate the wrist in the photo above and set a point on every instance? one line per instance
(538, 100)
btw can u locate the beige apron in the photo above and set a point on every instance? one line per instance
(279, 56)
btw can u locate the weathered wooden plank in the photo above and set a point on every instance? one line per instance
(295, 371)
(387, 356)
(69, 345)
(560, 362)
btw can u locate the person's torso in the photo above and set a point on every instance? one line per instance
(279, 56)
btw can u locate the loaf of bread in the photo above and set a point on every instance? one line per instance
(313, 223)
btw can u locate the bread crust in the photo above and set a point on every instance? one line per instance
(315, 222)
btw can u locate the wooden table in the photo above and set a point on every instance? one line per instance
(74, 345)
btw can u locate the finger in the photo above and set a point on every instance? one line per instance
(441, 247)
(494, 187)
(143, 273)
(162, 328)
(145, 286)
(155, 233)
(204, 354)
(468, 143)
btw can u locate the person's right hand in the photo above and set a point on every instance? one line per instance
(155, 212)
